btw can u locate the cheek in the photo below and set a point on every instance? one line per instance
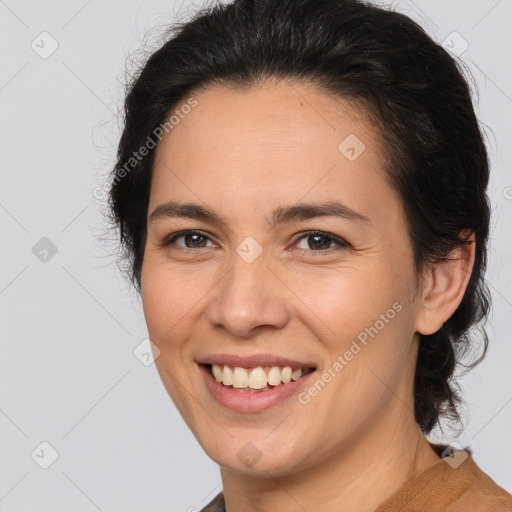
(365, 328)
(170, 299)
(348, 301)
(367, 356)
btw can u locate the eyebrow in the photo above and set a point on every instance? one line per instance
(302, 211)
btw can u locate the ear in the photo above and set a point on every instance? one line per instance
(443, 288)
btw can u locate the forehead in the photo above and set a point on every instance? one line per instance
(272, 142)
(271, 113)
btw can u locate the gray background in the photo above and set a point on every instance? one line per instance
(70, 324)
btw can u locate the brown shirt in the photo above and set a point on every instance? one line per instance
(451, 485)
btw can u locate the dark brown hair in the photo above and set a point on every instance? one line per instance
(435, 157)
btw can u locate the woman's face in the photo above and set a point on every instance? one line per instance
(271, 163)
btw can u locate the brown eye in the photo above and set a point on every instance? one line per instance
(191, 239)
(318, 241)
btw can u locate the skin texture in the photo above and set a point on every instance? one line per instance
(244, 154)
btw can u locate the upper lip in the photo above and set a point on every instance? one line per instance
(252, 361)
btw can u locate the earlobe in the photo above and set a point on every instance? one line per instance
(444, 288)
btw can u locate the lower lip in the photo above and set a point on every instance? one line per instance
(249, 401)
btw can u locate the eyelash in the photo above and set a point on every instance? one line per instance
(342, 244)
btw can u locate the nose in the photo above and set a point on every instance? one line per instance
(248, 297)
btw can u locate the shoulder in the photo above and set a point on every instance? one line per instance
(455, 483)
(478, 491)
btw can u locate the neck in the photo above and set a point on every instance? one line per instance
(358, 476)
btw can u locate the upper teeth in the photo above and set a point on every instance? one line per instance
(257, 378)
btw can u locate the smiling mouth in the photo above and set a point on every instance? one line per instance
(257, 379)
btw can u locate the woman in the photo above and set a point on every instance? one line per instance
(301, 196)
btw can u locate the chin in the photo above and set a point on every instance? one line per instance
(254, 459)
